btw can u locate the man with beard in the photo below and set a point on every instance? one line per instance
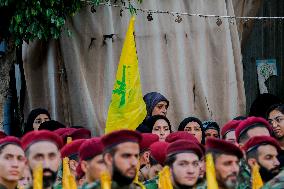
(263, 151)
(12, 162)
(226, 158)
(43, 147)
(121, 156)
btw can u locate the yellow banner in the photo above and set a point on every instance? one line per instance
(127, 108)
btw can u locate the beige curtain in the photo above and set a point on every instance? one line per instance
(196, 64)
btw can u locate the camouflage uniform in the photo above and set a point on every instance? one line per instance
(114, 185)
(244, 178)
(153, 184)
(275, 183)
(4, 187)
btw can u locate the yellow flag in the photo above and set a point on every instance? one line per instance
(68, 180)
(105, 180)
(136, 179)
(165, 179)
(127, 108)
(210, 173)
(38, 177)
(256, 178)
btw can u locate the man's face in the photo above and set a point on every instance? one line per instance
(26, 179)
(258, 131)
(94, 167)
(12, 163)
(231, 137)
(124, 162)
(227, 170)
(154, 170)
(267, 158)
(47, 154)
(185, 169)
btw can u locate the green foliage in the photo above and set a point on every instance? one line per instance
(43, 19)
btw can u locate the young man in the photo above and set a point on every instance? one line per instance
(91, 159)
(147, 140)
(71, 151)
(263, 151)
(228, 131)
(43, 147)
(121, 156)
(183, 158)
(226, 158)
(250, 127)
(12, 162)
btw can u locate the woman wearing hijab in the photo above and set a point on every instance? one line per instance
(211, 129)
(193, 126)
(35, 118)
(157, 124)
(156, 104)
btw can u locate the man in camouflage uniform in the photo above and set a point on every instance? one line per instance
(121, 156)
(263, 151)
(275, 183)
(43, 147)
(248, 128)
(226, 158)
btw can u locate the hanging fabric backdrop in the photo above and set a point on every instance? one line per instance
(196, 64)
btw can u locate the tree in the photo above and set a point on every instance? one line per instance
(29, 20)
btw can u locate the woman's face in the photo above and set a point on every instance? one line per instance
(194, 129)
(276, 119)
(211, 133)
(40, 119)
(160, 109)
(162, 129)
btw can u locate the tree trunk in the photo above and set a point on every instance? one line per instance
(6, 62)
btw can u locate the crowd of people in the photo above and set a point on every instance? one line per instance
(151, 157)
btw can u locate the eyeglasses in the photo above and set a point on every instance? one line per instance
(277, 120)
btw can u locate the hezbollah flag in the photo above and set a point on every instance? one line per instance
(127, 108)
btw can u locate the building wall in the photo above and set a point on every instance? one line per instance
(265, 41)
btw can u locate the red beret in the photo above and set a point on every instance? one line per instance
(75, 134)
(2, 134)
(147, 140)
(43, 135)
(10, 140)
(71, 148)
(183, 135)
(257, 141)
(250, 122)
(90, 148)
(181, 146)
(114, 138)
(158, 151)
(172, 137)
(223, 147)
(230, 126)
(62, 131)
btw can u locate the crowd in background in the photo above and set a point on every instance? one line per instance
(244, 148)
